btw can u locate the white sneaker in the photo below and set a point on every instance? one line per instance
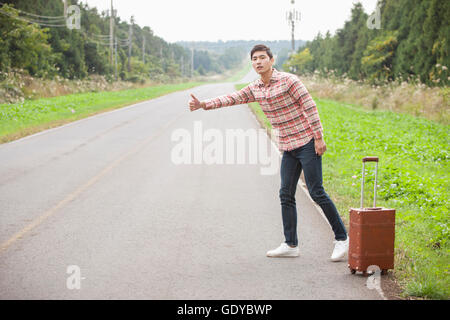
(340, 250)
(284, 250)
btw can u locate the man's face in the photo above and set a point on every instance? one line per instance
(261, 62)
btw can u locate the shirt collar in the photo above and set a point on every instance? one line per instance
(274, 78)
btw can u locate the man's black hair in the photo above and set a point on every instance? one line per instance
(261, 47)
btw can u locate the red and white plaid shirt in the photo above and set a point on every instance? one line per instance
(287, 104)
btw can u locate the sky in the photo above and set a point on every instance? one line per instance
(213, 20)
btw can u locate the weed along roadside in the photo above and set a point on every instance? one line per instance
(413, 179)
(32, 116)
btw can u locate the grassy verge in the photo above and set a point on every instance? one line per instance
(413, 178)
(31, 116)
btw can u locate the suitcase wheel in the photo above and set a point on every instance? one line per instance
(353, 271)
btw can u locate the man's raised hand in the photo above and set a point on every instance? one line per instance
(194, 104)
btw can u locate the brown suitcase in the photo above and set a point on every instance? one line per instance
(372, 233)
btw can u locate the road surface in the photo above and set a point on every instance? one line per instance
(98, 209)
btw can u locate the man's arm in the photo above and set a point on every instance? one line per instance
(242, 96)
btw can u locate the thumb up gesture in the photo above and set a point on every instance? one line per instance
(194, 103)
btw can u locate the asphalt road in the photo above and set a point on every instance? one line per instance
(98, 209)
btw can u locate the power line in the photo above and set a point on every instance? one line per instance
(59, 18)
(97, 42)
(89, 37)
(101, 36)
(52, 21)
(122, 45)
(125, 41)
(101, 39)
(103, 43)
(105, 37)
(45, 24)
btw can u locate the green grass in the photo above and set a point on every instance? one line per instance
(260, 115)
(18, 120)
(22, 119)
(413, 178)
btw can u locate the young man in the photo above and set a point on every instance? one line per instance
(291, 110)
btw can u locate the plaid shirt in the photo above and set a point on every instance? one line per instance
(287, 105)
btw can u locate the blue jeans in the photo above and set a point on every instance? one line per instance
(292, 164)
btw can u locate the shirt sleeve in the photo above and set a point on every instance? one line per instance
(298, 91)
(242, 96)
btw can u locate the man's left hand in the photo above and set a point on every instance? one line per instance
(320, 146)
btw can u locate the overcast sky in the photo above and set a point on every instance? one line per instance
(213, 20)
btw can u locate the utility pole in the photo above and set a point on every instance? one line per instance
(111, 32)
(163, 64)
(115, 58)
(66, 5)
(130, 39)
(182, 65)
(143, 49)
(292, 17)
(192, 60)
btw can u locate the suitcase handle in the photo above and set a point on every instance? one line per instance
(370, 159)
(364, 160)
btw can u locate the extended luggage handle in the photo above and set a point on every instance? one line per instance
(364, 160)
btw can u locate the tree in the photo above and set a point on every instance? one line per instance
(436, 41)
(78, 53)
(347, 40)
(24, 46)
(299, 62)
(377, 59)
(413, 42)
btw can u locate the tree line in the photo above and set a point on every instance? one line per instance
(34, 38)
(226, 49)
(411, 43)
